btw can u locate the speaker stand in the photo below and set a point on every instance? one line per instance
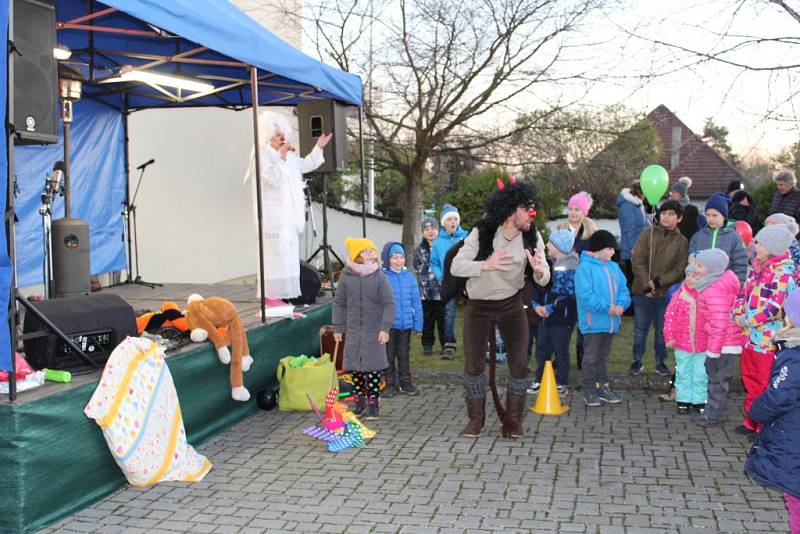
(324, 247)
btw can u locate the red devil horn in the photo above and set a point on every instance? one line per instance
(500, 184)
(512, 180)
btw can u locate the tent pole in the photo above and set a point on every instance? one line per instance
(127, 164)
(361, 158)
(257, 178)
(9, 217)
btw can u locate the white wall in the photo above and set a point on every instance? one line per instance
(342, 225)
(194, 213)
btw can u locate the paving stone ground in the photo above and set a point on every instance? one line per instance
(632, 468)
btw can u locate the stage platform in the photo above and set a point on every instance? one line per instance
(54, 460)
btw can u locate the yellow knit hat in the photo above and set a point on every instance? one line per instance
(356, 245)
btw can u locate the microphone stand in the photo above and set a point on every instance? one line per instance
(128, 216)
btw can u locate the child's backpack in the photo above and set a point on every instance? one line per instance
(452, 286)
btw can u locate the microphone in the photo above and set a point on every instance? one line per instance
(145, 164)
(55, 180)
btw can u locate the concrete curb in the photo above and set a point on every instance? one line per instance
(645, 381)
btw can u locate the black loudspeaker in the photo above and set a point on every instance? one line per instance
(95, 323)
(35, 73)
(71, 267)
(316, 117)
(310, 284)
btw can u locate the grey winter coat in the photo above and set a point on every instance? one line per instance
(361, 309)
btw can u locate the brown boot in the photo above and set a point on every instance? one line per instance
(515, 410)
(476, 411)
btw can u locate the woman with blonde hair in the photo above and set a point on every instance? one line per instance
(578, 221)
(582, 228)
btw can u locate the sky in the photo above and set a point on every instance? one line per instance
(616, 47)
(733, 97)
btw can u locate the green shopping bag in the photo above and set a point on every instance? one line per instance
(296, 382)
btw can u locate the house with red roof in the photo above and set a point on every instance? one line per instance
(684, 153)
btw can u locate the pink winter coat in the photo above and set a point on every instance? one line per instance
(683, 323)
(716, 303)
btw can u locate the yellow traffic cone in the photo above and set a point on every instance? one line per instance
(548, 402)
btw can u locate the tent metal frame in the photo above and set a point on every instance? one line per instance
(255, 81)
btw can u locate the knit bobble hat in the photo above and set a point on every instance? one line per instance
(428, 221)
(356, 245)
(601, 239)
(719, 202)
(682, 186)
(563, 240)
(776, 238)
(734, 185)
(715, 260)
(582, 200)
(786, 220)
(448, 210)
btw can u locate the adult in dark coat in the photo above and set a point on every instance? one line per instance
(743, 208)
(692, 219)
(787, 198)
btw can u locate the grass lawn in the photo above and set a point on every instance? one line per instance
(620, 361)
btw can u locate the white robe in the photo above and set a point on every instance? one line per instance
(283, 220)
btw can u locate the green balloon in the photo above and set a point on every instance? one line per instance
(654, 181)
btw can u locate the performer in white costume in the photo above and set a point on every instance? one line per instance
(284, 206)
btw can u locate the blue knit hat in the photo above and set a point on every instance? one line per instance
(397, 248)
(448, 210)
(719, 202)
(563, 240)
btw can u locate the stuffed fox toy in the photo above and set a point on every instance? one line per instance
(204, 317)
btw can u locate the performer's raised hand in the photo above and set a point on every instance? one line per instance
(324, 139)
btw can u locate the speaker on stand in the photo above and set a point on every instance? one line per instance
(317, 117)
(35, 73)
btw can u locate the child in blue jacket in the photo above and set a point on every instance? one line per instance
(407, 319)
(773, 460)
(602, 295)
(557, 311)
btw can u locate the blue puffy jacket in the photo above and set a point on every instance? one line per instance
(440, 247)
(774, 458)
(632, 221)
(405, 289)
(598, 285)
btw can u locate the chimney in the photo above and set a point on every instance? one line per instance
(675, 149)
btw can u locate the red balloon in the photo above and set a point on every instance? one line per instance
(744, 231)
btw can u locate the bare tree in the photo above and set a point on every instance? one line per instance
(757, 39)
(442, 73)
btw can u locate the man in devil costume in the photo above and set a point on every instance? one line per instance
(502, 253)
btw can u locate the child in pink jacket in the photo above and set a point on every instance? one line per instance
(685, 331)
(718, 289)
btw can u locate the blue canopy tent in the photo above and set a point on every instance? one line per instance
(210, 41)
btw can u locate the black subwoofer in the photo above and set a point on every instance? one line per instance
(95, 323)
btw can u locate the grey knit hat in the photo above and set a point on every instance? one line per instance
(776, 238)
(429, 221)
(715, 260)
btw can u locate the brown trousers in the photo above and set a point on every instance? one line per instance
(509, 316)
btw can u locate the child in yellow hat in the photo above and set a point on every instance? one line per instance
(363, 309)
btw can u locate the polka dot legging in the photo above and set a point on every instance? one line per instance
(367, 384)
